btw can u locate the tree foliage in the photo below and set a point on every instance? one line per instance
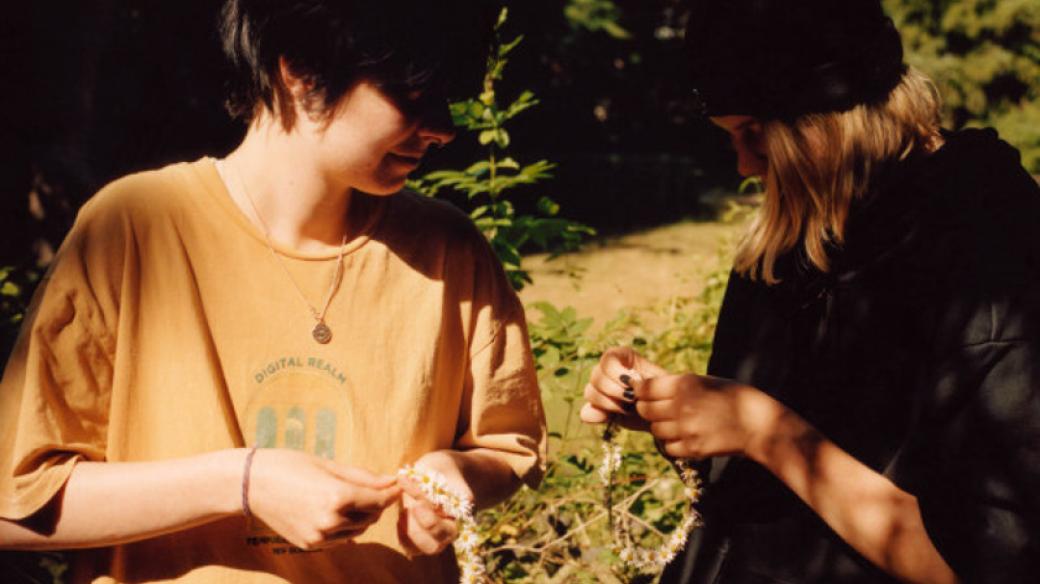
(985, 57)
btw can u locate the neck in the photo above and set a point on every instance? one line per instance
(298, 206)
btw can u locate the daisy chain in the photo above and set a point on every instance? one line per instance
(437, 490)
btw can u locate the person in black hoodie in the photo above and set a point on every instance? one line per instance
(872, 409)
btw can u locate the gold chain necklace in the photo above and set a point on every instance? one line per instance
(321, 331)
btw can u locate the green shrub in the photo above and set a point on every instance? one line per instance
(985, 57)
(559, 533)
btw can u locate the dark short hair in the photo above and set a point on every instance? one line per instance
(402, 45)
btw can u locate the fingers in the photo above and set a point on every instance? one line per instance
(360, 476)
(610, 384)
(423, 529)
(619, 360)
(411, 489)
(433, 520)
(590, 414)
(648, 369)
(679, 449)
(346, 533)
(665, 387)
(371, 500)
(657, 411)
(666, 430)
(600, 401)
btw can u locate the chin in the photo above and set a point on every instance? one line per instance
(383, 192)
(382, 187)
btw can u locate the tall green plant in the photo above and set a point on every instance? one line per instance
(489, 183)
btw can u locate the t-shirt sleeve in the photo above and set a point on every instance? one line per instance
(502, 408)
(54, 395)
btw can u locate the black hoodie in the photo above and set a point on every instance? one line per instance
(919, 354)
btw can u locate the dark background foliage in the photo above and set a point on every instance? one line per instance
(100, 88)
(110, 87)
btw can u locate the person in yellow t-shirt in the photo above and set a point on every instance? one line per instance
(229, 359)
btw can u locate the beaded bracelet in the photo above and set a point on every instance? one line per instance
(437, 490)
(246, 472)
(627, 550)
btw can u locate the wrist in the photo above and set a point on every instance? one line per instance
(451, 464)
(226, 471)
(770, 425)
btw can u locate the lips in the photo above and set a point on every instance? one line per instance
(410, 159)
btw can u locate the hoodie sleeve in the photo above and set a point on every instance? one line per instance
(974, 461)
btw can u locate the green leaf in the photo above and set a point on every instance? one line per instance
(550, 359)
(508, 163)
(10, 289)
(505, 48)
(547, 309)
(478, 168)
(506, 252)
(548, 206)
(486, 137)
(501, 138)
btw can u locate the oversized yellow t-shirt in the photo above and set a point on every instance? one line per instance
(166, 328)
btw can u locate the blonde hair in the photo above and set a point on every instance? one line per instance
(819, 164)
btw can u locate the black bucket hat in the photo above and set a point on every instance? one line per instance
(779, 59)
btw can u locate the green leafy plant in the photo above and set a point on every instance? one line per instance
(985, 57)
(488, 183)
(559, 533)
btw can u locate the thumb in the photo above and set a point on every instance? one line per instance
(374, 500)
(361, 477)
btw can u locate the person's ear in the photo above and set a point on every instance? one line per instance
(297, 86)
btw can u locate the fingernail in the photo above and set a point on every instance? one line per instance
(629, 394)
(628, 406)
(626, 379)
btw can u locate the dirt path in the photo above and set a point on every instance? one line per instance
(634, 270)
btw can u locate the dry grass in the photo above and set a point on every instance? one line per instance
(637, 270)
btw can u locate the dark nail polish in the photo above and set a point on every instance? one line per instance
(628, 406)
(626, 380)
(630, 394)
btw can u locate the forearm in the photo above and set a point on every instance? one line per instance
(874, 516)
(105, 503)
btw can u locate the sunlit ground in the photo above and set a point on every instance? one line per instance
(637, 270)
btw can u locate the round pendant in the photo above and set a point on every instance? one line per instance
(322, 333)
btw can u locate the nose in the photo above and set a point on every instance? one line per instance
(436, 126)
(751, 161)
